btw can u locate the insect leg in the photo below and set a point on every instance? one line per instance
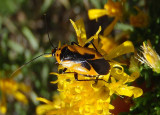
(96, 80)
(72, 43)
(87, 44)
(76, 77)
(64, 70)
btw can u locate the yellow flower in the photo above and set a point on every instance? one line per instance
(119, 87)
(111, 8)
(150, 57)
(9, 87)
(88, 97)
(139, 20)
(77, 97)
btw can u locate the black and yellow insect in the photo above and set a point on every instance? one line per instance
(77, 59)
(81, 60)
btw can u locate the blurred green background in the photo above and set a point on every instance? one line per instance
(23, 36)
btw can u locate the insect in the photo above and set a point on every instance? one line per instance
(80, 60)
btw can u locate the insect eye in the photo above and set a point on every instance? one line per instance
(53, 51)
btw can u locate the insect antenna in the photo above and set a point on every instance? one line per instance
(46, 27)
(12, 75)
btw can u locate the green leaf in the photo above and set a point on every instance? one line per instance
(15, 46)
(31, 38)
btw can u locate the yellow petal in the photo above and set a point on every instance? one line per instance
(111, 106)
(3, 108)
(43, 100)
(20, 97)
(124, 48)
(114, 9)
(80, 31)
(124, 90)
(108, 29)
(137, 92)
(129, 91)
(54, 82)
(43, 109)
(23, 87)
(96, 13)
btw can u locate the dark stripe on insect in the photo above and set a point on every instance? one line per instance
(66, 54)
(101, 66)
(86, 65)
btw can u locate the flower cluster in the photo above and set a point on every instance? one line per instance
(10, 87)
(111, 8)
(88, 97)
(83, 85)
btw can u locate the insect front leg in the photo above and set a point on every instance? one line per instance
(76, 77)
(86, 45)
(64, 70)
(74, 43)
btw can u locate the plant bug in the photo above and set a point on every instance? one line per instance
(80, 60)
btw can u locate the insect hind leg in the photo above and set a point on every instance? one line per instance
(96, 80)
(76, 77)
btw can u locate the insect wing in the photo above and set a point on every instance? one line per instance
(101, 66)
